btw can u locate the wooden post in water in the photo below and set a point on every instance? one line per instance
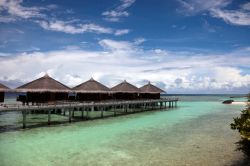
(49, 116)
(73, 112)
(24, 118)
(63, 111)
(92, 111)
(102, 109)
(114, 110)
(82, 110)
(86, 110)
(70, 114)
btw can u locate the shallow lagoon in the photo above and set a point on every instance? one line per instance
(196, 133)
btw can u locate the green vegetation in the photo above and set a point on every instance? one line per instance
(242, 123)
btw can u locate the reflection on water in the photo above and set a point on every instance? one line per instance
(196, 133)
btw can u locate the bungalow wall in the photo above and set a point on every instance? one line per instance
(125, 96)
(44, 97)
(1, 96)
(92, 96)
(150, 95)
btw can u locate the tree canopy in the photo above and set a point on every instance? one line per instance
(242, 123)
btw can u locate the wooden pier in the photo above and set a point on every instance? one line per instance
(87, 108)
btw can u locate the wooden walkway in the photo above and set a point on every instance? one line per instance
(86, 108)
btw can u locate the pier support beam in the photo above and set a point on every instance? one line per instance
(64, 112)
(92, 111)
(114, 110)
(102, 109)
(70, 115)
(82, 110)
(24, 118)
(49, 116)
(87, 113)
(73, 112)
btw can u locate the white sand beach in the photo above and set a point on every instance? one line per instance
(240, 103)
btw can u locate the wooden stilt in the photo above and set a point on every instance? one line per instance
(87, 113)
(82, 110)
(92, 111)
(70, 115)
(49, 116)
(102, 109)
(114, 109)
(24, 118)
(73, 112)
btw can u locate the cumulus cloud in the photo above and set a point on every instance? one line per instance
(217, 8)
(121, 60)
(119, 11)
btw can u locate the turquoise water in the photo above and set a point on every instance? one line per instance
(196, 133)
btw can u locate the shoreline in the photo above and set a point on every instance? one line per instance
(240, 103)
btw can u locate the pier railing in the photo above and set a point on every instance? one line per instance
(70, 104)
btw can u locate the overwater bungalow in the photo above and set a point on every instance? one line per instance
(150, 91)
(125, 91)
(92, 90)
(3, 89)
(43, 90)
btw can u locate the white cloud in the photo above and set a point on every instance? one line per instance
(73, 28)
(176, 72)
(15, 9)
(114, 13)
(7, 19)
(120, 11)
(246, 6)
(121, 32)
(115, 45)
(196, 6)
(125, 4)
(139, 41)
(217, 8)
(66, 27)
(236, 17)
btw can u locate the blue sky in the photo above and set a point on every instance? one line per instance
(183, 46)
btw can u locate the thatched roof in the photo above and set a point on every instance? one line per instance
(43, 84)
(3, 88)
(125, 87)
(149, 88)
(91, 86)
